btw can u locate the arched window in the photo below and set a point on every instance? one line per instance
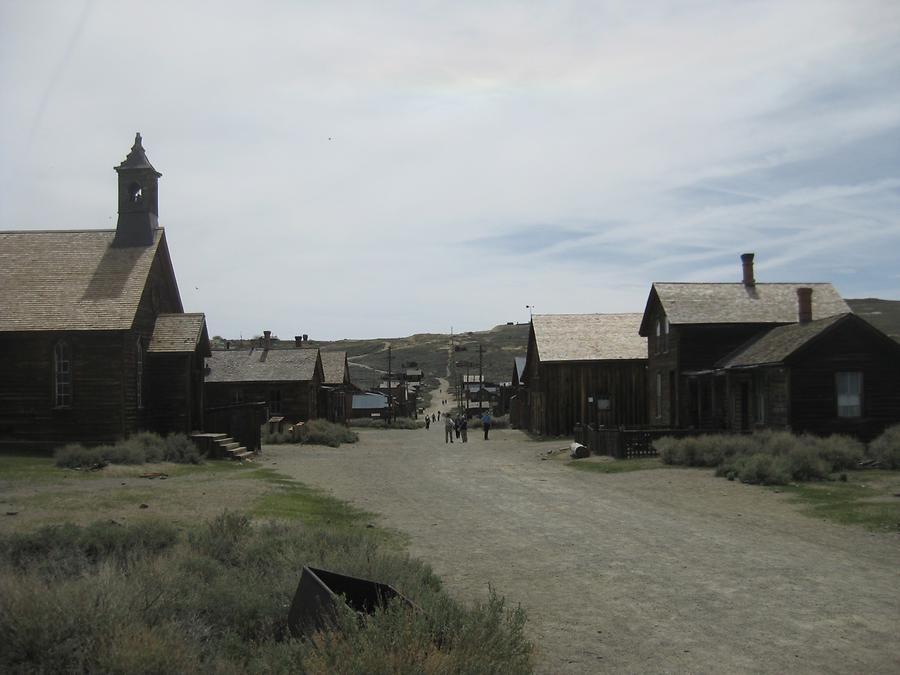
(659, 336)
(62, 375)
(139, 373)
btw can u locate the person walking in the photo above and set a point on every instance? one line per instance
(486, 423)
(427, 422)
(456, 426)
(448, 429)
(464, 429)
(439, 414)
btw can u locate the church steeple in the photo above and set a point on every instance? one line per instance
(138, 198)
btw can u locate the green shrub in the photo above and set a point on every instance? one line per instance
(70, 549)
(140, 448)
(75, 455)
(217, 601)
(323, 432)
(182, 450)
(276, 437)
(886, 448)
(396, 423)
(744, 456)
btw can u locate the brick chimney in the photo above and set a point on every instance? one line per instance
(804, 305)
(298, 341)
(267, 339)
(747, 264)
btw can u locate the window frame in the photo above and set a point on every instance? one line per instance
(838, 378)
(62, 375)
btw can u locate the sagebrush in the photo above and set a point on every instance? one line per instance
(141, 448)
(147, 598)
(768, 457)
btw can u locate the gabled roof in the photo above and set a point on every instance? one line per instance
(702, 303)
(588, 337)
(779, 343)
(71, 280)
(262, 365)
(335, 366)
(179, 333)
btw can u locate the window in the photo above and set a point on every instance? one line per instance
(139, 373)
(274, 401)
(659, 336)
(62, 375)
(849, 394)
(666, 332)
(760, 404)
(662, 335)
(659, 394)
(237, 396)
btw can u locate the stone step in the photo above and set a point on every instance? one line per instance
(243, 455)
(229, 446)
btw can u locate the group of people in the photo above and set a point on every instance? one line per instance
(458, 426)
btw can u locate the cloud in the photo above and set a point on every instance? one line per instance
(354, 170)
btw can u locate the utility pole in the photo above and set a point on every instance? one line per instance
(480, 376)
(390, 391)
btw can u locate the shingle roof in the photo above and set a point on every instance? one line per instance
(335, 365)
(588, 337)
(262, 365)
(178, 333)
(697, 303)
(779, 343)
(71, 280)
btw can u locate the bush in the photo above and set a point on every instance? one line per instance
(886, 448)
(70, 549)
(140, 448)
(323, 432)
(769, 457)
(396, 423)
(217, 601)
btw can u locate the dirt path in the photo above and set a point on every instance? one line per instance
(653, 571)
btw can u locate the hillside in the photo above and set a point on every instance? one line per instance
(883, 314)
(429, 351)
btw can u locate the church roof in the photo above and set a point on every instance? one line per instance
(71, 280)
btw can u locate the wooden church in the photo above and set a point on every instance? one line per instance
(94, 342)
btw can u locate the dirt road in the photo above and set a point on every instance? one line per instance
(653, 571)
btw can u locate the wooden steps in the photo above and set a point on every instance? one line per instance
(222, 445)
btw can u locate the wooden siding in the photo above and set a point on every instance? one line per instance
(299, 400)
(566, 387)
(850, 347)
(27, 402)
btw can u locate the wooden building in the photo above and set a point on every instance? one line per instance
(287, 380)
(337, 390)
(834, 375)
(94, 342)
(584, 369)
(369, 405)
(690, 327)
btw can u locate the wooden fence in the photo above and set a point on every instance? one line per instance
(625, 443)
(241, 421)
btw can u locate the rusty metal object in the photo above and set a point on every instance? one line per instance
(322, 594)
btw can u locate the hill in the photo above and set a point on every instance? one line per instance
(883, 314)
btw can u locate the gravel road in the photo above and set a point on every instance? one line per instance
(646, 572)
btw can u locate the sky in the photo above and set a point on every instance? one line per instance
(377, 169)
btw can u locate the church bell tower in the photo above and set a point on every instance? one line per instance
(138, 198)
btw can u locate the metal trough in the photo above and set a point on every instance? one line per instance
(322, 594)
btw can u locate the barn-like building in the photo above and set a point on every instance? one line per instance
(94, 341)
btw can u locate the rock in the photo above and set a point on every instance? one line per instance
(12, 513)
(145, 506)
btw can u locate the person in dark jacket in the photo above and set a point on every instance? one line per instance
(486, 423)
(448, 429)
(464, 428)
